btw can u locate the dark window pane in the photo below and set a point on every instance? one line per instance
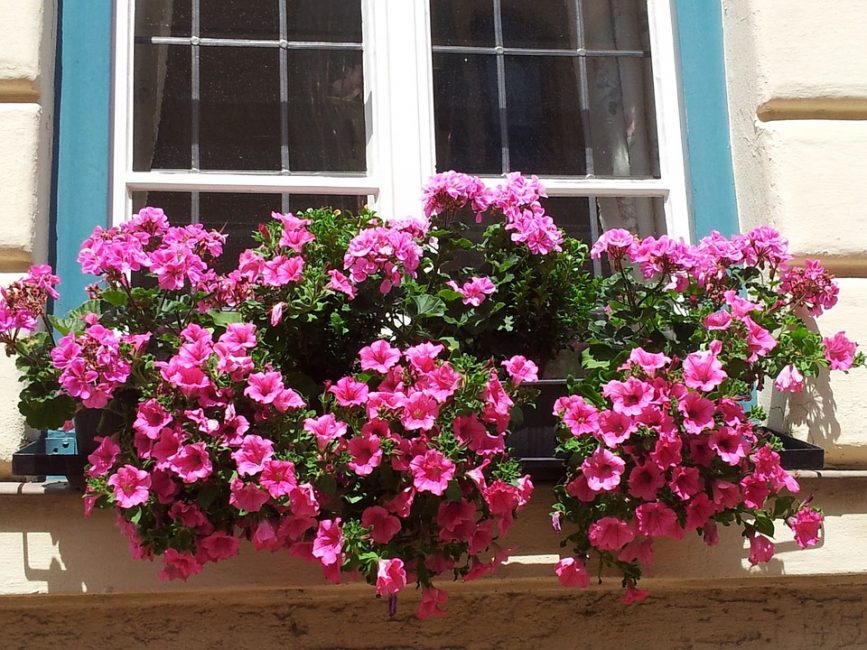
(615, 25)
(462, 22)
(544, 115)
(176, 205)
(467, 119)
(540, 24)
(572, 214)
(250, 19)
(326, 111)
(162, 18)
(240, 108)
(324, 20)
(622, 117)
(162, 110)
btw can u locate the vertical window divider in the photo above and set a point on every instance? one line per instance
(284, 99)
(195, 102)
(502, 105)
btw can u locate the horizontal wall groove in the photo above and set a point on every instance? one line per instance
(819, 108)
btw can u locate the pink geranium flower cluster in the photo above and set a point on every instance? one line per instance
(388, 251)
(669, 454)
(23, 302)
(517, 200)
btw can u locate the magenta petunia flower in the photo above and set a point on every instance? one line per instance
(839, 351)
(366, 454)
(806, 525)
(657, 520)
(379, 356)
(610, 534)
(383, 525)
(571, 572)
(328, 544)
(761, 549)
(350, 392)
(252, 454)
(131, 486)
(431, 472)
(703, 371)
(603, 470)
(419, 412)
(390, 577)
(790, 380)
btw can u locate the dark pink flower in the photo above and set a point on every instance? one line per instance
(645, 481)
(131, 486)
(628, 397)
(657, 520)
(366, 454)
(806, 525)
(103, 457)
(761, 549)
(178, 565)
(431, 472)
(610, 534)
(328, 545)
(383, 526)
(419, 412)
(431, 599)
(602, 470)
(278, 477)
(571, 572)
(839, 351)
(703, 371)
(218, 546)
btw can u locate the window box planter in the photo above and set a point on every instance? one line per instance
(533, 440)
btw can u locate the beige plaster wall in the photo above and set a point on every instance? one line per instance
(798, 111)
(27, 37)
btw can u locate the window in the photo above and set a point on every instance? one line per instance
(228, 110)
(98, 177)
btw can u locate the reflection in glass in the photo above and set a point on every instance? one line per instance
(162, 109)
(622, 117)
(467, 119)
(162, 18)
(324, 20)
(326, 111)
(248, 19)
(462, 22)
(540, 24)
(240, 108)
(615, 25)
(544, 115)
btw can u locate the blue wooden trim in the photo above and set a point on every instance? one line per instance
(83, 87)
(702, 68)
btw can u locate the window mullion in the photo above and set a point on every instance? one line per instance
(120, 199)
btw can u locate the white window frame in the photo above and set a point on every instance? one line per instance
(398, 99)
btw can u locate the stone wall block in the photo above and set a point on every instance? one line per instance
(22, 47)
(20, 201)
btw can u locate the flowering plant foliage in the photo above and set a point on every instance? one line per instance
(657, 437)
(209, 391)
(525, 286)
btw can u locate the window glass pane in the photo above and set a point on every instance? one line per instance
(240, 108)
(248, 19)
(162, 109)
(324, 20)
(462, 22)
(622, 118)
(467, 119)
(642, 215)
(540, 24)
(544, 115)
(615, 24)
(572, 214)
(162, 18)
(326, 111)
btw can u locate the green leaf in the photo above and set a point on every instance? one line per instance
(428, 306)
(327, 484)
(223, 318)
(115, 297)
(453, 491)
(764, 524)
(135, 518)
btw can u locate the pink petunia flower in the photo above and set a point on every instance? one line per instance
(422, 357)
(431, 599)
(431, 472)
(759, 340)
(628, 397)
(645, 481)
(278, 477)
(191, 463)
(383, 526)
(131, 486)
(602, 470)
(703, 371)
(328, 544)
(697, 412)
(390, 577)
(218, 546)
(657, 520)
(253, 453)
(326, 428)
(571, 572)
(610, 534)
(366, 454)
(379, 356)
(103, 457)
(648, 362)
(761, 549)
(790, 380)
(419, 412)
(350, 392)
(247, 496)
(179, 566)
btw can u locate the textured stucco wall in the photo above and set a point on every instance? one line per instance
(27, 29)
(798, 108)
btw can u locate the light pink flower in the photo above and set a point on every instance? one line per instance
(616, 243)
(254, 451)
(571, 572)
(577, 414)
(648, 362)
(602, 470)
(390, 577)
(475, 290)
(325, 428)
(628, 397)
(703, 371)
(349, 392)
(419, 412)
(521, 369)
(839, 351)
(790, 380)
(422, 357)
(131, 486)
(431, 472)
(759, 340)
(720, 320)
(278, 477)
(341, 283)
